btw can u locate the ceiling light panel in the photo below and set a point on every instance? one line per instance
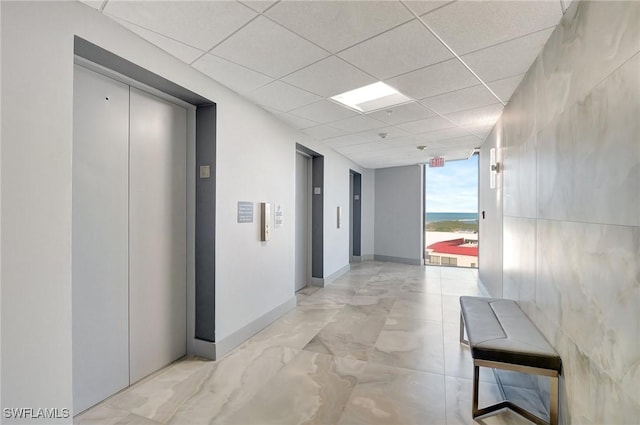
(467, 26)
(371, 97)
(236, 77)
(281, 96)
(433, 80)
(268, 48)
(201, 24)
(329, 77)
(336, 25)
(511, 58)
(401, 50)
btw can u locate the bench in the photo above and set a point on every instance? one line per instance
(501, 336)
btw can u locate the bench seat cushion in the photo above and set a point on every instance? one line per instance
(498, 330)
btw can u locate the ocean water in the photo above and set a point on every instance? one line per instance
(432, 217)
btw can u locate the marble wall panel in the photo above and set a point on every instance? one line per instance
(589, 157)
(519, 277)
(595, 275)
(581, 98)
(592, 40)
(519, 163)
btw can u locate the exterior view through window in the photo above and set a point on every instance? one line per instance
(451, 213)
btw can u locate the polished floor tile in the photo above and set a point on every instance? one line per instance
(377, 346)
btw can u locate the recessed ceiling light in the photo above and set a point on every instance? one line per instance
(371, 98)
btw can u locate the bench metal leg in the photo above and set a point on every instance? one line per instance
(476, 379)
(462, 340)
(553, 396)
(553, 400)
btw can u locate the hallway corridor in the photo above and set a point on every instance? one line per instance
(378, 346)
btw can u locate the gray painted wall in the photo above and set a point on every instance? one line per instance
(571, 202)
(398, 214)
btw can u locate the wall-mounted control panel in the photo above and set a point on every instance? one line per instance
(265, 221)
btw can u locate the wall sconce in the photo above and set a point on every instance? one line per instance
(494, 168)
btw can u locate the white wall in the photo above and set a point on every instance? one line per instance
(398, 214)
(336, 193)
(255, 163)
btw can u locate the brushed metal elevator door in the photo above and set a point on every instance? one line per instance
(100, 254)
(157, 235)
(129, 235)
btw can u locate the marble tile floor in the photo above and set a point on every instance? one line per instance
(377, 346)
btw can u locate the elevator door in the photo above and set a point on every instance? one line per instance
(129, 236)
(100, 253)
(157, 239)
(302, 221)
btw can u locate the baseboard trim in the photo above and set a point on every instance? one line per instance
(389, 259)
(218, 349)
(324, 281)
(367, 257)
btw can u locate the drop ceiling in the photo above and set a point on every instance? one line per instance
(458, 62)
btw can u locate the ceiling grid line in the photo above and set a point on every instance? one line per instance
(453, 53)
(458, 63)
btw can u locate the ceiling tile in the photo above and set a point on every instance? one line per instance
(329, 77)
(258, 5)
(336, 25)
(420, 7)
(349, 139)
(391, 133)
(507, 59)
(403, 113)
(423, 126)
(268, 48)
(178, 49)
(324, 112)
(485, 115)
(295, 121)
(435, 79)
(236, 77)
(505, 87)
(403, 49)
(467, 26)
(201, 24)
(322, 132)
(444, 134)
(365, 147)
(357, 124)
(281, 96)
(469, 141)
(459, 100)
(481, 130)
(96, 4)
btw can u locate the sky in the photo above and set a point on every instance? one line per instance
(452, 188)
